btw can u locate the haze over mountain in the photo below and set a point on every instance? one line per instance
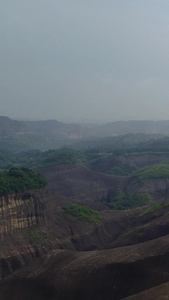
(51, 134)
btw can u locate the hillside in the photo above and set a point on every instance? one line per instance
(51, 134)
(99, 229)
(93, 275)
(80, 183)
(33, 223)
(83, 184)
(159, 292)
(43, 135)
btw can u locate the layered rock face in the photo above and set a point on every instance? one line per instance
(31, 224)
(20, 214)
(17, 211)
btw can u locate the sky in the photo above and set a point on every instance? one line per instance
(84, 61)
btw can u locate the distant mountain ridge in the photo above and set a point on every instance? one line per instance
(9, 127)
(44, 135)
(107, 129)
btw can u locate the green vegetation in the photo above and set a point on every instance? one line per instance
(153, 172)
(37, 237)
(151, 209)
(62, 156)
(20, 179)
(156, 206)
(82, 213)
(36, 158)
(112, 160)
(122, 170)
(122, 201)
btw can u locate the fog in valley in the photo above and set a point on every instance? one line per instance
(84, 61)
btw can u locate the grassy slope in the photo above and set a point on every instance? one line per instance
(153, 172)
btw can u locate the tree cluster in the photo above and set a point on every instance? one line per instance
(20, 179)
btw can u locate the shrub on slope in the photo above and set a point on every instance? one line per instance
(82, 213)
(153, 172)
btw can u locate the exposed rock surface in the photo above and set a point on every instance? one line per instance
(80, 182)
(133, 161)
(42, 249)
(83, 184)
(105, 274)
(161, 292)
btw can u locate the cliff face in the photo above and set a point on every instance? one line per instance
(35, 219)
(32, 223)
(21, 215)
(17, 211)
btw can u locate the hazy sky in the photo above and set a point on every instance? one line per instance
(84, 59)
